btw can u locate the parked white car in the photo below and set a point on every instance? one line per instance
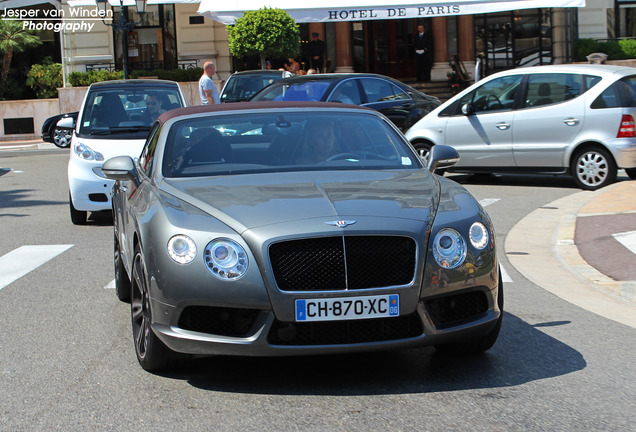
(114, 121)
(557, 119)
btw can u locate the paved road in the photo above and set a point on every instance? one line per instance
(67, 361)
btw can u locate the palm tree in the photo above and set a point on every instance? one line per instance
(13, 38)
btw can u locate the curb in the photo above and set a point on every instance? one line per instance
(550, 258)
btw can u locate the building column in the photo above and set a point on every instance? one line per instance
(559, 39)
(440, 49)
(344, 59)
(466, 42)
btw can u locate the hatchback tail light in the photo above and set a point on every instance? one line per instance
(627, 129)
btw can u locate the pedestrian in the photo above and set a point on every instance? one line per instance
(423, 53)
(207, 89)
(292, 66)
(317, 53)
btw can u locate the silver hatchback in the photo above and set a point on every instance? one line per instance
(558, 119)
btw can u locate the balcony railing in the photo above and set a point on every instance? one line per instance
(147, 65)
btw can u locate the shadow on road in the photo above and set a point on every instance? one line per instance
(521, 355)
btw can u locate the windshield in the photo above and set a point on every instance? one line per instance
(308, 91)
(125, 112)
(290, 141)
(243, 87)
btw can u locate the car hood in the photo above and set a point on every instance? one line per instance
(246, 202)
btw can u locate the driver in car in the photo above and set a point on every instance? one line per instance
(319, 144)
(154, 105)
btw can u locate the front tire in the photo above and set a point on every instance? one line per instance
(151, 353)
(593, 168)
(61, 137)
(423, 150)
(78, 217)
(631, 173)
(122, 283)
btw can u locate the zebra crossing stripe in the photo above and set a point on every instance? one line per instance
(25, 259)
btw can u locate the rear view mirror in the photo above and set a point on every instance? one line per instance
(120, 168)
(66, 123)
(468, 109)
(442, 156)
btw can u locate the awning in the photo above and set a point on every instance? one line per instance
(126, 2)
(360, 10)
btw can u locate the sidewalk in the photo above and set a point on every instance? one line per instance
(548, 247)
(26, 145)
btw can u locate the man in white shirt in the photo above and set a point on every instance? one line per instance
(207, 90)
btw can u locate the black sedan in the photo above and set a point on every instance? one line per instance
(402, 104)
(58, 134)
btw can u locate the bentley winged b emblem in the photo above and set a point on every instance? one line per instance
(341, 223)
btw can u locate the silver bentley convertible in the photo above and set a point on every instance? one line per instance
(297, 228)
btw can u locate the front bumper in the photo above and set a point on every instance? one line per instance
(89, 191)
(264, 335)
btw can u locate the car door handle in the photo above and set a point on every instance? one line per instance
(503, 126)
(571, 121)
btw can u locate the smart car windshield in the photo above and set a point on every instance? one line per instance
(290, 141)
(125, 112)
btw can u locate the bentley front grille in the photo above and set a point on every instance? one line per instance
(343, 263)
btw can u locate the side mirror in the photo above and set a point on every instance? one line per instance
(468, 109)
(121, 168)
(442, 156)
(66, 123)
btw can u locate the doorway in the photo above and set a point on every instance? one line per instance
(390, 48)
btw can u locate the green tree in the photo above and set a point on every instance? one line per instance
(269, 32)
(45, 78)
(14, 38)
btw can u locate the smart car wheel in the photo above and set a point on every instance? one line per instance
(631, 172)
(122, 283)
(78, 217)
(152, 354)
(62, 137)
(483, 343)
(593, 168)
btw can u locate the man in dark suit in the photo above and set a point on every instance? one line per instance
(317, 53)
(423, 53)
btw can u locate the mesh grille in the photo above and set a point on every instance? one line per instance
(320, 265)
(345, 332)
(218, 320)
(457, 308)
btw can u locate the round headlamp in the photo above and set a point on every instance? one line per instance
(87, 153)
(449, 248)
(226, 259)
(478, 235)
(182, 249)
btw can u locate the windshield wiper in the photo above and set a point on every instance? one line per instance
(121, 129)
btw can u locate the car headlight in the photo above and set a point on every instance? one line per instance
(226, 259)
(449, 248)
(182, 249)
(87, 153)
(478, 235)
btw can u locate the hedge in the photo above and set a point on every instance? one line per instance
(78, 79)
(615, 50)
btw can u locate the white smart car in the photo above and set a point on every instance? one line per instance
(114, 121)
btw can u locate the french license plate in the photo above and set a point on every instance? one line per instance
(348, 308)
